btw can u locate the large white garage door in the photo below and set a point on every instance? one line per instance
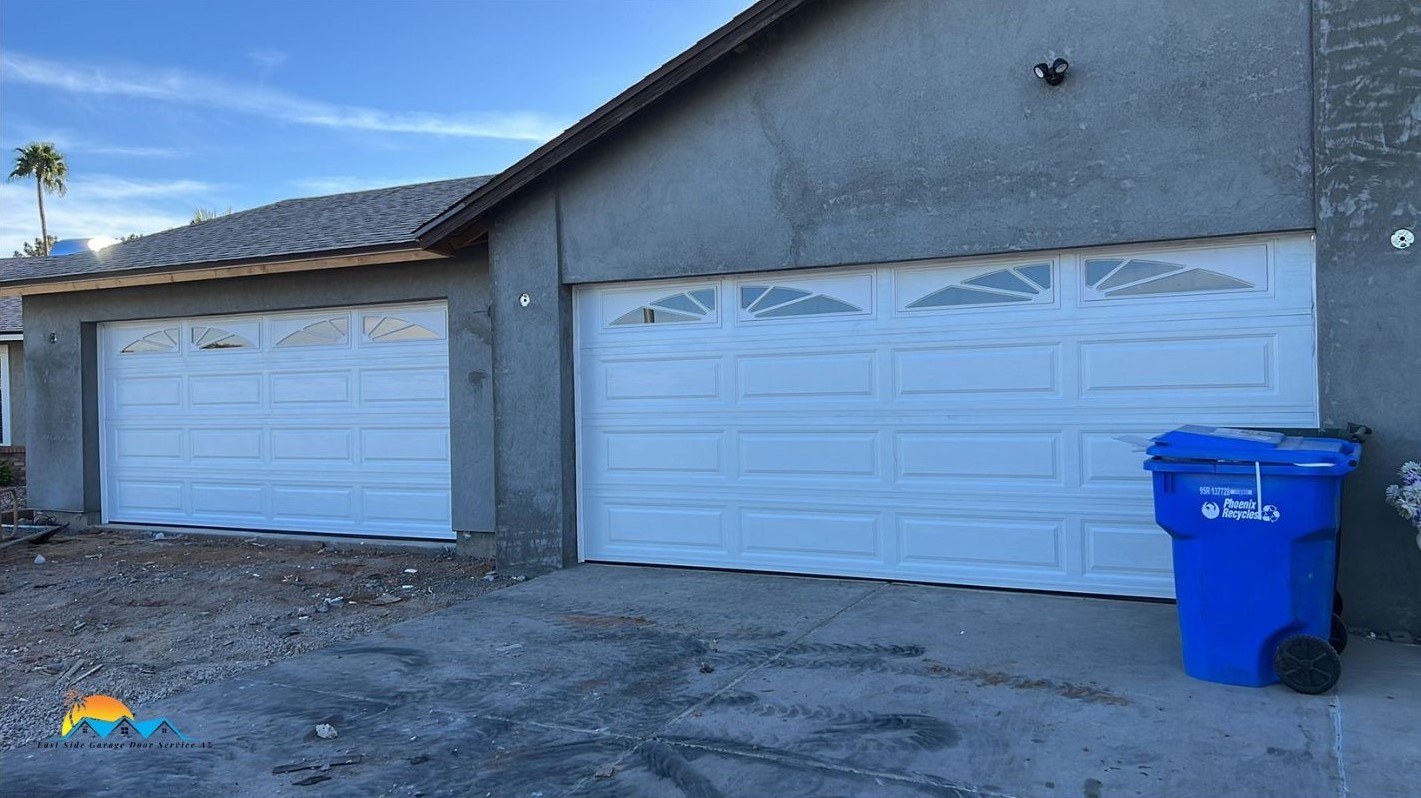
(949, 422)
(331, 420)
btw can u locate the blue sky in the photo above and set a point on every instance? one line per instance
(161, 107)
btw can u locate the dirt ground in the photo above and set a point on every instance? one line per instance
(163, 615)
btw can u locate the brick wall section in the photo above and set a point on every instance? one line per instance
(16, 456)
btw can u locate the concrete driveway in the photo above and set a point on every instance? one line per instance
(623, 681)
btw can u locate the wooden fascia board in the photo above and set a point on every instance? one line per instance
(119, 280)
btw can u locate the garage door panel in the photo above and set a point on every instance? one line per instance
(221, 422)
(972, 408)
(662, 451)
(965, 372)
(821, 454)
(808, 374)
(1001, 455)
(681, 525)
(305, 445)
(228, 390)
(313, 387)
(964, 540)
(1114, 548)
(643, 379)
(811, 534)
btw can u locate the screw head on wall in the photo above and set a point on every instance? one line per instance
(1403, 238)
(524, 299)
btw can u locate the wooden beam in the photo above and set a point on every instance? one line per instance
(101, 281)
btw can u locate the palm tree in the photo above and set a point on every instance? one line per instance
(40, 160)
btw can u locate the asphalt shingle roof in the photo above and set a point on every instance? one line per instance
(358, 220)
(11, 321)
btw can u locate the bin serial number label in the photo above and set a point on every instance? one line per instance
(1212, 491)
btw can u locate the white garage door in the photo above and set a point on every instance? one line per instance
(331, 420)
(949, 422)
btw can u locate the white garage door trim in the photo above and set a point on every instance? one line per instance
(1024, 486)
(330, 420)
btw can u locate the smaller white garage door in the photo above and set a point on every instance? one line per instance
(333, 420)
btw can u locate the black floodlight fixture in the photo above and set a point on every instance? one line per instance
(1053, 73)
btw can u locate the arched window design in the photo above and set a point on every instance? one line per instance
(1107, 278)
(1016, 284)
(321, 333)
(218, 338)
(164, 340)
(381, 329)
(777, 301)
(688, 306)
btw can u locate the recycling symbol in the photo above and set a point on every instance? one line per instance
(1270, 513)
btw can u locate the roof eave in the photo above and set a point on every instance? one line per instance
(214, 270)
(608, 117)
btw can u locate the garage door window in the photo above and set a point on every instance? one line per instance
(689, 306)
(218, 338)
(770, 302)
(1002, 286)
(1117, 277)
(326, 332)
(384, 329)
(149, 342)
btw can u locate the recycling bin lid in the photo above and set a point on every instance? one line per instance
(1232, 444)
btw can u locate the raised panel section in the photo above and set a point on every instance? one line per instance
(1109, 462)
(686, 526)
(404, 385)
(970, 455)
(930, 540)
(228, 500)
(810, 534)
(1188, 364)
(145, 443)
(226, 444)
(141, 392)
(809, 453)
(1127, 549)
(662, 452)
(407, 444)
(994, 370)
(662, 378)
(310, 388)
(809, 374)
(303, 444)
(165, 497)
(234, 389)
(405, 506)
(313, 503)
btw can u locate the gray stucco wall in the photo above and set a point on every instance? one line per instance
(62, 400)
(881, 130)
(17, 393)
(533, 401)
(1368, 67)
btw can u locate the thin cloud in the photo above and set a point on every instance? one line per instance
(267, 59)
(176, 86)
(344, 184)
(104, 205)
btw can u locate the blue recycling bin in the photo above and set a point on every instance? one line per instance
(1254, 517)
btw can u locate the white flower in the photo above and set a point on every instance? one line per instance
(1406, 497)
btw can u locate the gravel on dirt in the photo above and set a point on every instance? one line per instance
(137, 618)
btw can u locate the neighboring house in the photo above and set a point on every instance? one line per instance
(844, 289)
(12, 378)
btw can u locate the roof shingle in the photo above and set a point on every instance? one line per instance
(358, 220)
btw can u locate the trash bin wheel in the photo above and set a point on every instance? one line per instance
(1338, 635)
(1337, 602)
(1307, 664)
